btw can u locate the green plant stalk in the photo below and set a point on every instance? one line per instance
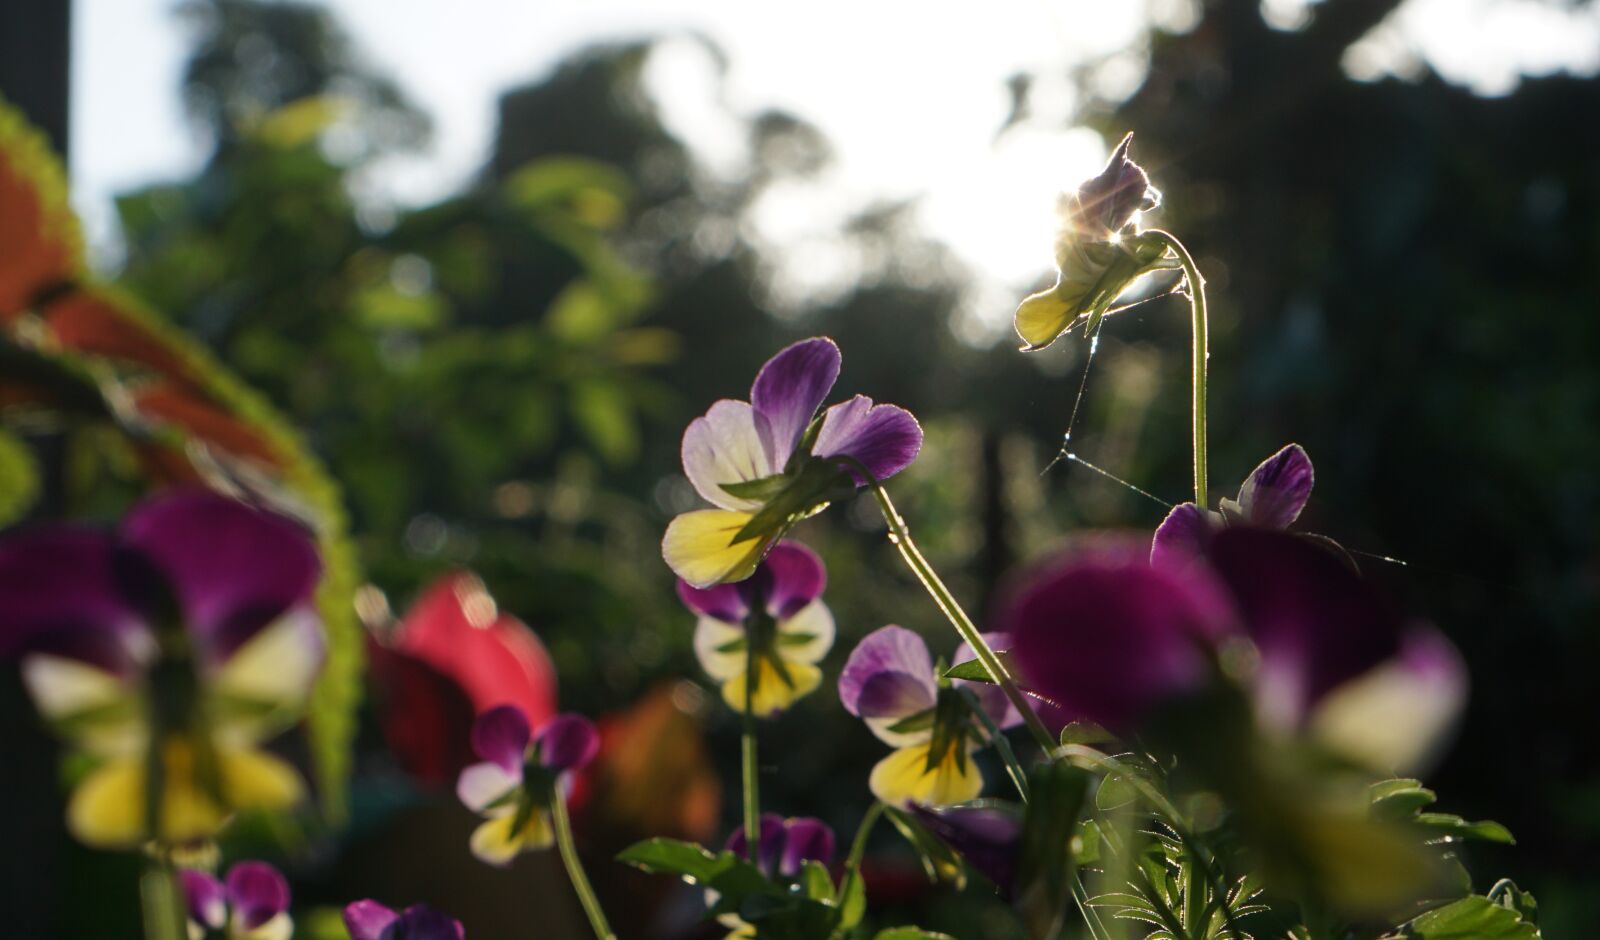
(1008, 757)
(752, 768)
(900, 536)
(575, 873)
(1199, 355)
(159, 901)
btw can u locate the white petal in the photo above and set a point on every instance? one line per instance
(814, 619)
(278, 665)
(711, 633)
(723, 446)
(480, 785)
(66, 689)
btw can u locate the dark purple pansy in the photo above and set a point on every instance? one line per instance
(1111, 637)
(786, 844)
(257, 893)
(889, 675)
(501, 735)
(1271, 497)
(568, 742)
(789, 578)
(369, 920)
(228, 569)
(989, 837)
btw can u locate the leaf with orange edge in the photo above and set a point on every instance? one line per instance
(198, 416)
(40, 243)
(97, 322)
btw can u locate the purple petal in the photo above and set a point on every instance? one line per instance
(65, 590)
(1182, 536)
(886, 438)
(1109, 200)
(888, 675)
(788, 391)
(724, 602)
(205, 899)
(771, 842)
(257, 893)
(797, 578)
(1315, 622)
(806, 839)
(369, 920)
(501, 735)
(568, 742)
(988, 837)
(1108, 637)
(232, 568)
(1275, 492)
(991, 698)
(421, 922)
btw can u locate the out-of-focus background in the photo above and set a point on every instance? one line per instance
(492, 256)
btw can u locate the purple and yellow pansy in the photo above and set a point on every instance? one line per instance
(181, 641)
(774, 620)
(768, 462)
(520, 775)
(252, 903)
(369, 920)
(892, 683)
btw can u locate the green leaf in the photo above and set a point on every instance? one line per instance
(1058, 793)
(974, 671)
(1086, 848)
(910, 933)
(672, 857)
(1085, 732)
(1506, 893)
(1399, 798)
(604, 413)
(762, 489)
(1474, 918)
(19, 478)
(816, 881)
(1454, 828)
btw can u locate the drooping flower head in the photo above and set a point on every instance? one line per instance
(988, 835)
(1271, 497)
(892, 683)
(774, 619)
(786, 844)
(1099, 251)
(768, 462)
(186, 636)
(1111, 638)
(252, 904)
(369, 920)
(521, 774)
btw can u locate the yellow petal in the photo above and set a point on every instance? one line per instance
(96, 708)
(496, 843)
(699, 547)
(1043, 317)
(904, 777)
(279, 927)
(254, 779)
(773, 694)
(276, 666)
(106, 809)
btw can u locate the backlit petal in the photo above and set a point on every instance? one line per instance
(1275, 492)
(482, 785)
(797, 578)
(501, 735)
(725, 446)
(234, 569)
(710, 638)
(1183, 535)
(725, 602)
(98, 709)
(885, 438)
(367, 920)
(773, 694)
(814, 623)
(903, 777)
(255, 779)
(788, 391)
(106, 809)
(568, 742)
(257, 894)
(62, 592)
(1397, 717)
(204, 898)
(496, 842)
(277, 666)
(1042, 317)
(889, 675)
(699, 548)
(806, 839)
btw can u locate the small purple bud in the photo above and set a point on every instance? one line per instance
(569, 742)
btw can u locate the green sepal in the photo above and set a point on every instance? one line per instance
(761, 490)
(973, 670)
(817, 483)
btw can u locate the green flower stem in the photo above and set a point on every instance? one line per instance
(752, 769)
(901, 537)
(858, 848)
(1201, 352)
(1008, 757)
(160, 901)
(580, 881)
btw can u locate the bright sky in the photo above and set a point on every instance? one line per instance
(910, 94)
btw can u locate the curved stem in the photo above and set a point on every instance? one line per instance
(575, 873)
(160, 902)
(901, 537)
(1201, 352)
(747, 747)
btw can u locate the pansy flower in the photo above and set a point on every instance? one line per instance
(786, 844)
(1111, 638)
(892, 683)
(774, 619)
(987, 834)
(768, 462)
(520, 775)
(369, 920)
(252, 904)
(186, 637)
(1271, 497)
(1099, 251)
